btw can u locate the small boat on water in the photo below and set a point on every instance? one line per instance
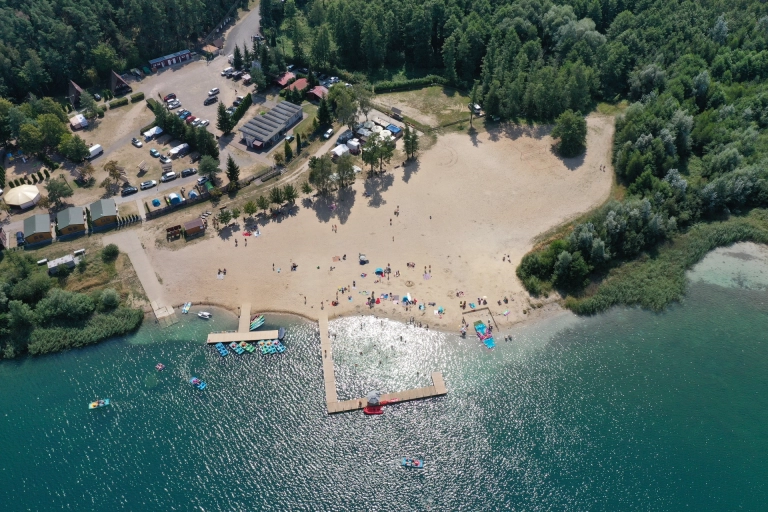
(222, 349)
(159, 367)
(99, 403)
(281, 333)
(234, 346)
(256, 322)
(247, 347)
(199, 384)
(204, 315)
(185, 308)
(409, 462)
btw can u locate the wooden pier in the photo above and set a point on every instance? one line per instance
(243, 331)
(329, 378)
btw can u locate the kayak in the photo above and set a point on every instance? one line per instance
(412, 463)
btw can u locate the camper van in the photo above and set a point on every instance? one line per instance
(95, 151)
(228, 71)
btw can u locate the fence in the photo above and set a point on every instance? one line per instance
(168, 209)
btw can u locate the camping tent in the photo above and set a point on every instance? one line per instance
(339, 150)
(23, 196)
(155, 131)
(174, 198)
(78, 121)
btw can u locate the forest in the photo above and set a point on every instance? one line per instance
(45, 43)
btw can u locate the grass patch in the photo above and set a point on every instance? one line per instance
(439, 105)
(612, 109)
(656, 280)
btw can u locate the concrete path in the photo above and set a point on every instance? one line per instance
(240, 34)
(129, 243)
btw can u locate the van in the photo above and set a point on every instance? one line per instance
(227, 71)
(95, 151)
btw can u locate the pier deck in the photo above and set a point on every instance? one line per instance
(229, 337)
(329, 377)
(245, 318)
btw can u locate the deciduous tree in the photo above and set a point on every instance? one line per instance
(58, 189)
(73, 148)
(345, 170)
(571, 129)
(209, 167)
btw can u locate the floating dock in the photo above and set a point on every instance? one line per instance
(329, 378)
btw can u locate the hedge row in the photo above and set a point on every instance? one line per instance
(153, 104)
(414, 83)
(137, 97)
(242, 108)
(118, 103)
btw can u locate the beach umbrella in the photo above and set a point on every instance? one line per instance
(374, 398)
(23, 196)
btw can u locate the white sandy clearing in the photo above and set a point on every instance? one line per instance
(487, 197)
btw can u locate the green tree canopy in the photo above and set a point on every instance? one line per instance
(209, 167)
(571, 130)
(73, 148)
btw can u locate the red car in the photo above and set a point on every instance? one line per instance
(169, 97)
(190, 119)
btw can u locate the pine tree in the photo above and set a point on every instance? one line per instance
(324, 113)
(287, 150)
(298, 143)
(237, 59)
(223, 120)
(233, 172)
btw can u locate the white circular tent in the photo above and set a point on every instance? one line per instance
(23, 196)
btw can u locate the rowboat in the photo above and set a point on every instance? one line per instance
(256, 322)
(99, 403)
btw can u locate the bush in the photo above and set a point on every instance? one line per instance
(11, 185)
(153, 105)
(148, 127)
(47, 161)
(39, 176)
(109, 299)
(137, 97)
(47, 174)
(414, 83)
(2, 176)
(110, 253)
(118, 103)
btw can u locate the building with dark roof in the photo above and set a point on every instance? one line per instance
(37, 228)
(103, 212)
(118, 85)
(70, 221)
(170, 60)
(74, 94)
(263, 131)
(317, 93)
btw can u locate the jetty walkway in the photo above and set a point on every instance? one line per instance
(243, 331)
(329, 378)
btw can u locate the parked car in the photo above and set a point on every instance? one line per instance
(290, 67)
(128, 191)
(205, 122)
(153, 152)
(237, 75)
(227, 71)
(210, 99)
(334, 79)
(147, 184)
(190, 119)
(289, 138)
(165, 160)
(169, 97)
(322, 76)
(174, 105)
(136, 142)
(185, 114)
(188, 172)
(303, 71)
(20, 237)
(197, 122)
(328, 133)
(202, 180)
(238, 101)
(97, 96)
(231, 110)
(168, 176)
(214, 91)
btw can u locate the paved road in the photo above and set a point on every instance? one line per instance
(241, 33)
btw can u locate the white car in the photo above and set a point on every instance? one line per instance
(214, 91)
(147, 184)
(197, 122)
(204, 123)
(168, 176)
(174, 104)
(327, 135)
(165, 160)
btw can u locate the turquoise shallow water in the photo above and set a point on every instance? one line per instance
(628, 410)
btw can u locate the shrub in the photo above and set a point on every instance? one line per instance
(110, 253)
(145, 128)
(137, 97)
(414, 83)
(11, 185)
(118, 103)
(47, 174)
(109, 299)
(2, 176)
(39, 176)
(153, 105)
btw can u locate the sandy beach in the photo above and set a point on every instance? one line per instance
(469, 209)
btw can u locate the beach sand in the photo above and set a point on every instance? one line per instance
(467, 203)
